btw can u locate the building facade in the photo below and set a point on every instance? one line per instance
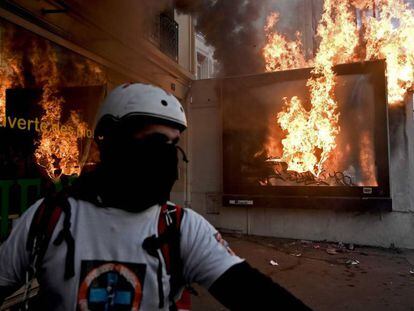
(206, 64)
(85, 39)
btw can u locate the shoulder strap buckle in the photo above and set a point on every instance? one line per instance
(168, 212)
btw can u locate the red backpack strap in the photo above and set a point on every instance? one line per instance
(169, 215)
(168, 242)
(184, 304)
(170, 218)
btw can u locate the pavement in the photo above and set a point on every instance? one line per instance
(328, 276)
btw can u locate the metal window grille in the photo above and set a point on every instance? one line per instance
(168, 36)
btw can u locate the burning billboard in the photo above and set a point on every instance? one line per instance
(326, 127)
(272, 147)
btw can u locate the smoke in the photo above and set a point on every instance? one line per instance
(231, 28)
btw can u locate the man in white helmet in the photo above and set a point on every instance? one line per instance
(121, 245)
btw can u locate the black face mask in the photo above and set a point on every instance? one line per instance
(137, 174)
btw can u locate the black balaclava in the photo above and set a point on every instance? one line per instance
(135, 174)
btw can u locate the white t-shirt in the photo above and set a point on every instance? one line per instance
(110, 263)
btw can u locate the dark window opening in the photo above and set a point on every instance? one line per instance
(165, 34)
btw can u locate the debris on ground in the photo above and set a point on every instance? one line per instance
(273, 263)
(352, 262)
(296, 254)
(351, 247)
(333, 278)
(331, 251)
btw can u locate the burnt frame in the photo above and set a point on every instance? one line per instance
(242, 194)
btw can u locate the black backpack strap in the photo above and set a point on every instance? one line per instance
(168, 241)
(41, 231)
(151, 245)
(66, 235)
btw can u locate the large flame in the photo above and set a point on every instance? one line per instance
(58, 149)
(310, 135)
(280, 53)
(388, 35)
(383, 32)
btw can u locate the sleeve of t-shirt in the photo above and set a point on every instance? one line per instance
(14, 258)
(206, 256)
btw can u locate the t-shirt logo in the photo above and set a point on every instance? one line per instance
(110, 286)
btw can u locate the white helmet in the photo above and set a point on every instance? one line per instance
(138, 99)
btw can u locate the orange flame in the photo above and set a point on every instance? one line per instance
(10, 70)
(385, 33)
(58, 149)
(388, 35)
(311, 134)
(298, 146)
(279, 52)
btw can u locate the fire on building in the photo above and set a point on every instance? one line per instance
(256, 159)
(51, 88)
(306, 133)
(327, 127)
(48, 98)
(324, 124)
